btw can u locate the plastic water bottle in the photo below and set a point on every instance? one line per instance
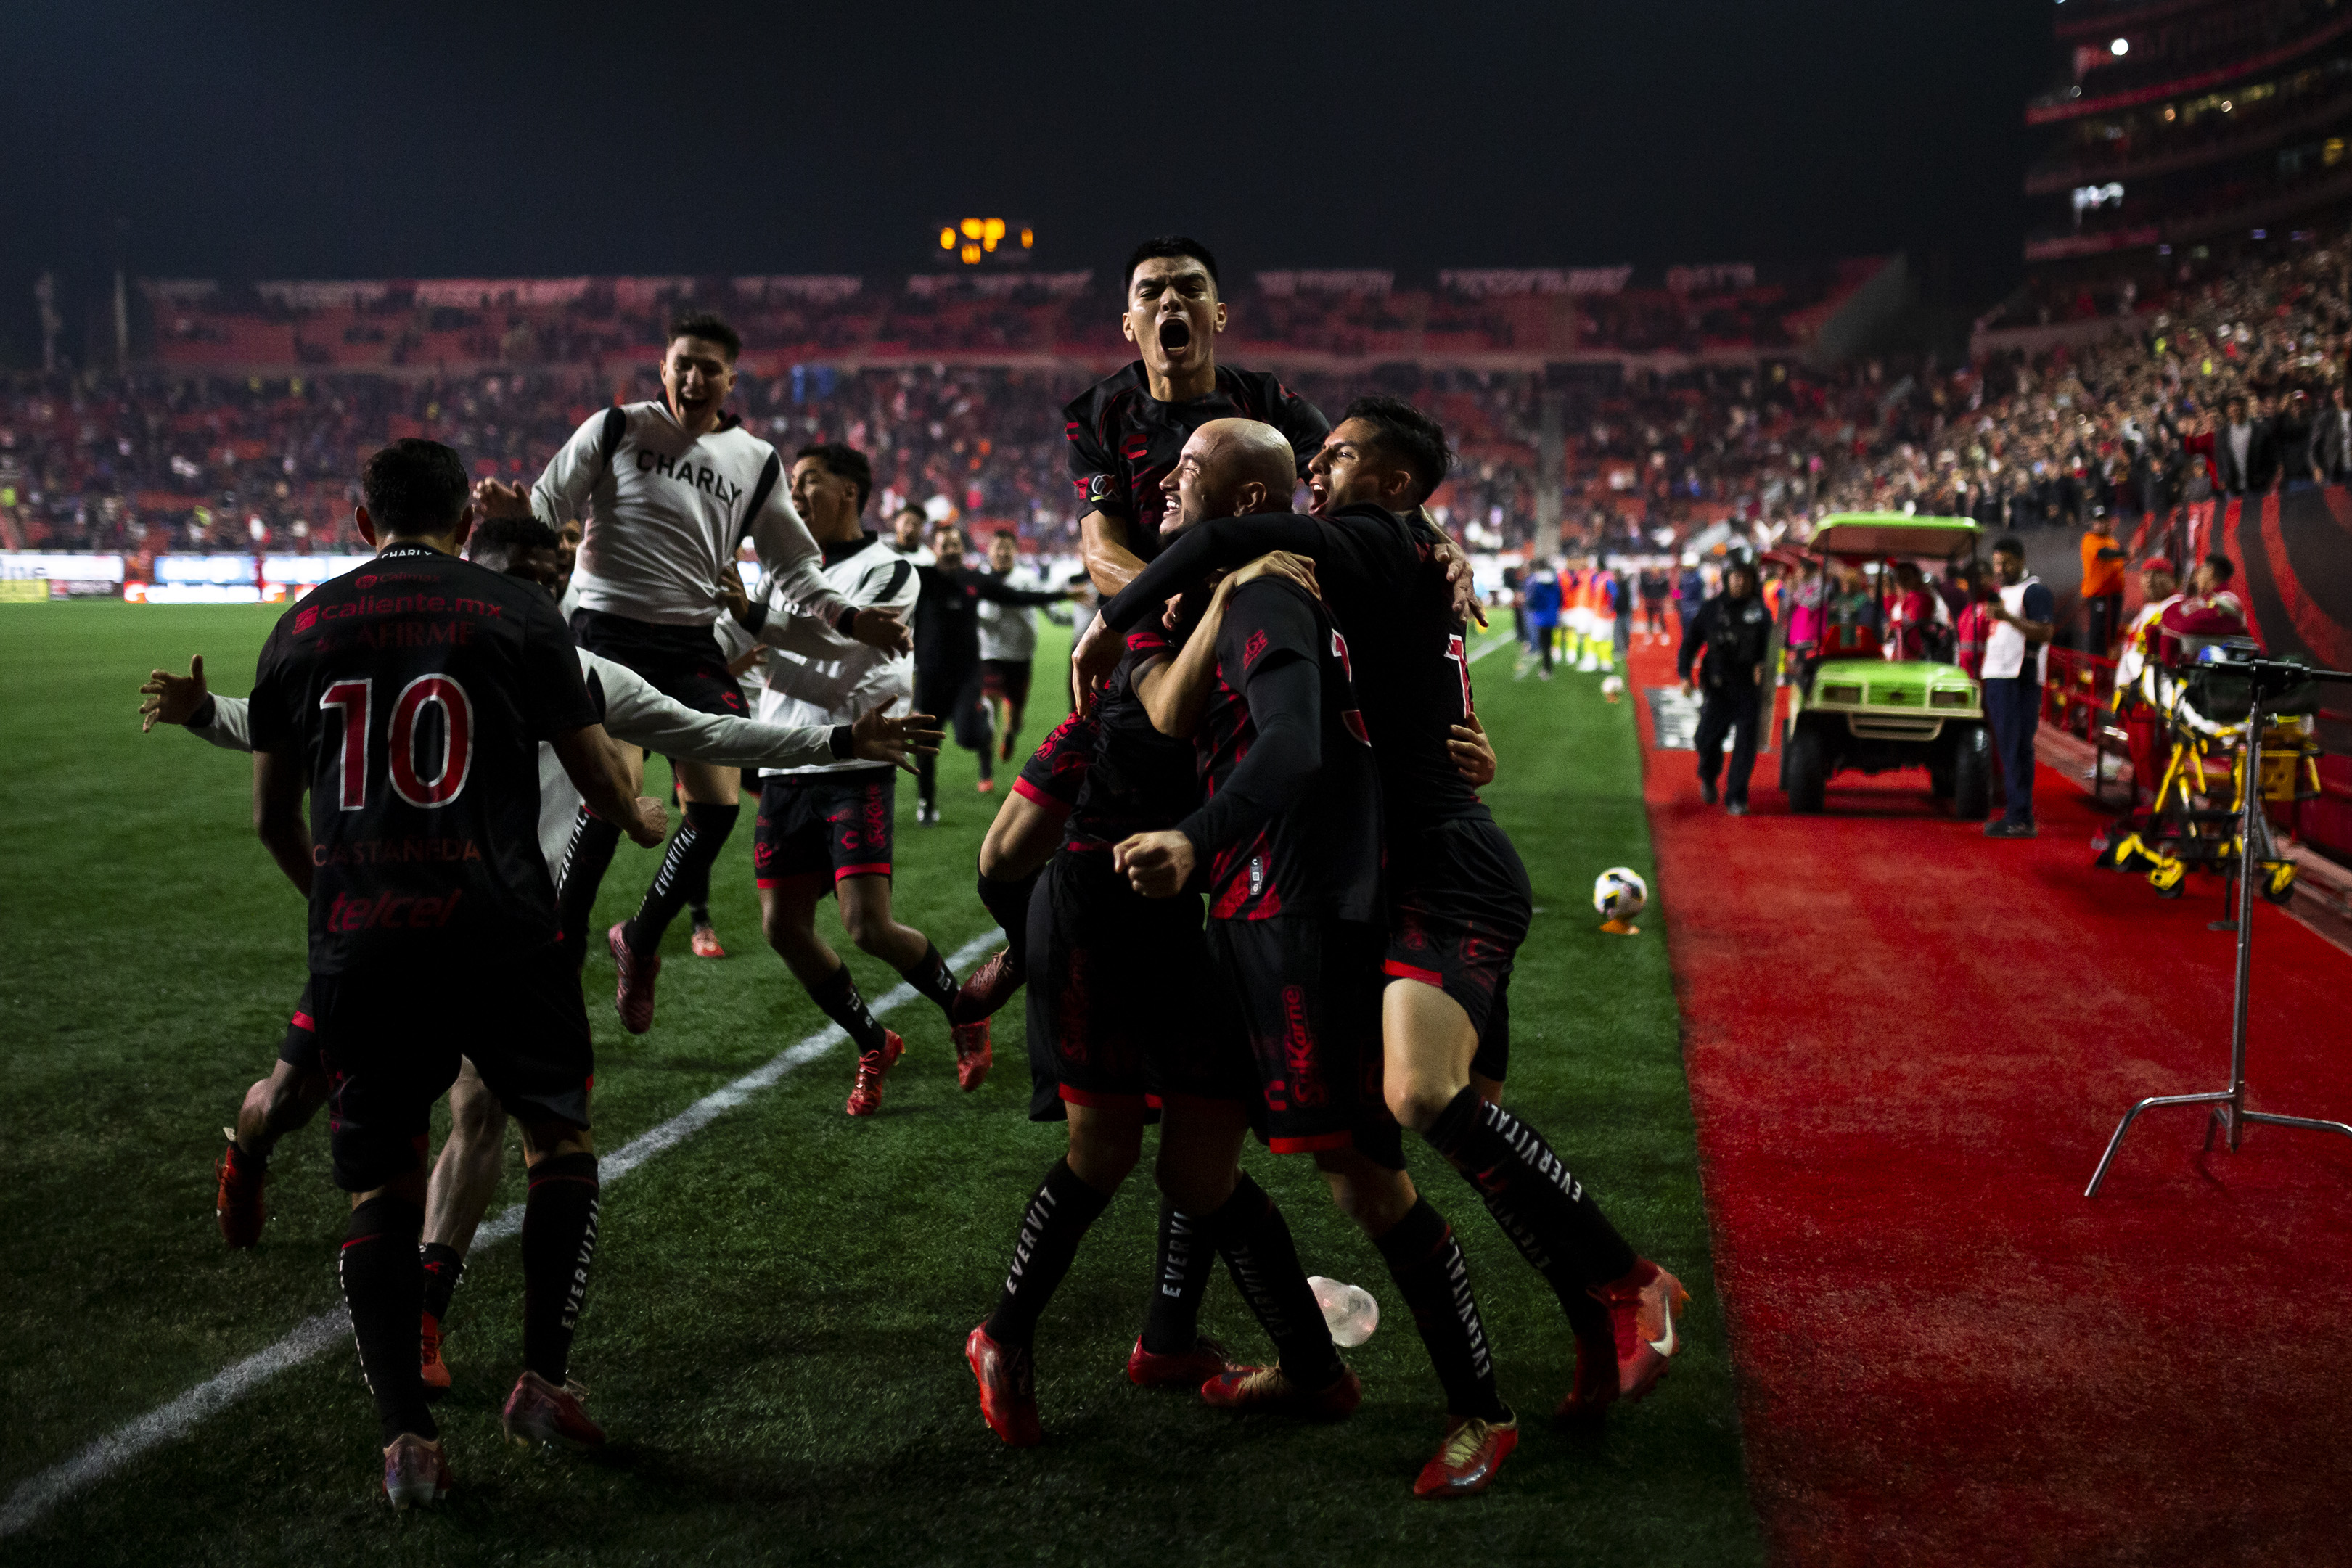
(1350, 1311)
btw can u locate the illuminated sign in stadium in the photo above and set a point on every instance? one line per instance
(974, 242)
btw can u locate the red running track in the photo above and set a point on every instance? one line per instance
(1907, 1046)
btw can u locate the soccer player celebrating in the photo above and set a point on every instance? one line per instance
(1295, 904)
(1126, 1005)
(677, 484)
(946, 652)
(409, 697)
(1125, 433)
(1008, 643)
(825, 827)
(1458, 898)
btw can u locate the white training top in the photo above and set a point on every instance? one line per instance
(1010, 630)
(2005, 651)
(814, 676)
(668, 511)
(634, 711)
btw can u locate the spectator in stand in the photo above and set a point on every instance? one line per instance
(2329, 448)
(2290, 427)
(2243, 455)
(2103, 584)
(2016, 658)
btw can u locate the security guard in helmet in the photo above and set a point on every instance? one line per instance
(1726, 642)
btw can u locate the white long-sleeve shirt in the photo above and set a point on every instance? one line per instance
(813, 674)
(668, 511)
(1010, 630)
(634, 711)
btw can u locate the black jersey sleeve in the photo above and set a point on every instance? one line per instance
(554, 696)
(1203, 549)
(270, 710)
(1003, 592)
(1267, 647)
(1094, 472)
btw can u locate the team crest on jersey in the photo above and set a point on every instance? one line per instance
(1253, 648)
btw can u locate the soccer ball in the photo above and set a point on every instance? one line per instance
(1620, 894)
(1613, 687)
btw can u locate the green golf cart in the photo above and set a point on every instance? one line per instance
(1853, 709)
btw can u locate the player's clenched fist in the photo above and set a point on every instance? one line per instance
(1156, 865)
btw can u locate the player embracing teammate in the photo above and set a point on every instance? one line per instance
(1457, 907)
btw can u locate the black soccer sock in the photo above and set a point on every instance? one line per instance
(1510, 1165)
(1587, 1318)
(1426, 1262)
(1007, 904)
(1254, 1241)
(1055, 1221)
(987, 755)
(585, 859)
(1171, 1319)
(838, 997)
(930, 976)
(691, 852)
(559, 1238)
(383, 1289)
(926, 778)
(444, 1266)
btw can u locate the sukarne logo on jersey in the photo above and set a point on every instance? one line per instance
(1299, 1058)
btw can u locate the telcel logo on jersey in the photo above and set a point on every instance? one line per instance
(392, 912)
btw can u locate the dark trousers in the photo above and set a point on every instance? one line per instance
(1728, 710)
(2101, 613)
(2013, 709)
(951, 694)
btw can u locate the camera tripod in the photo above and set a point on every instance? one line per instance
(2271, 678)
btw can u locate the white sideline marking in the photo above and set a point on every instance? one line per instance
(1498, 640)
(37, 1493)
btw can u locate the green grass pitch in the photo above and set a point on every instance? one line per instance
(774, 1332)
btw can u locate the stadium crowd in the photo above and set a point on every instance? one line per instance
(2138, 422)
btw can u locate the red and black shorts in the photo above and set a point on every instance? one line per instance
(1124, 1003)
(1309, 991)
(1006, 680)
(1057, 770)
(392, 1037)
(834, 824)
(300, 1048)
(1459, 909)
(683, 662)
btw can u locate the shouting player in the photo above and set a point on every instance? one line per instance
(826, 826)
(409, 697)
(677, 483)
(1125, 432)
(1458, 895)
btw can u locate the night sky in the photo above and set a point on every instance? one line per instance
(501, 140)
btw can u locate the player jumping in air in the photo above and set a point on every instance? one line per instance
(677, 484)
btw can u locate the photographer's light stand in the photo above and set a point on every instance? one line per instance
(2229, 1105)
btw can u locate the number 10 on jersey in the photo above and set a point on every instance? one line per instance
(438, 786)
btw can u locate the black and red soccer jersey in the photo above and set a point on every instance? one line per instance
(416, 690)
(1139, 781)
(1124, 441)
(1292, 822)
(1411, 670)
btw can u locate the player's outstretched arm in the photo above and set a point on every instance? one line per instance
(277, 781)
(878, 738)
(174, 699)
(601, 774)
(1103, 546)
(1203, 549)
(1175, 693)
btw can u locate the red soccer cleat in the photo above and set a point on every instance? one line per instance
(974, 1055)
(238, 1205)
(632, 994)
(1643, 1307)
(539, 1415)
(1469, 1458)
(706, 942)
(986, 786)
(866, 1093)
(436, 1371)
(1595, 1388)
(415, 1472)
(1008, 1389)
(988, 987)
(1264, 1389)
(1185, 1369)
